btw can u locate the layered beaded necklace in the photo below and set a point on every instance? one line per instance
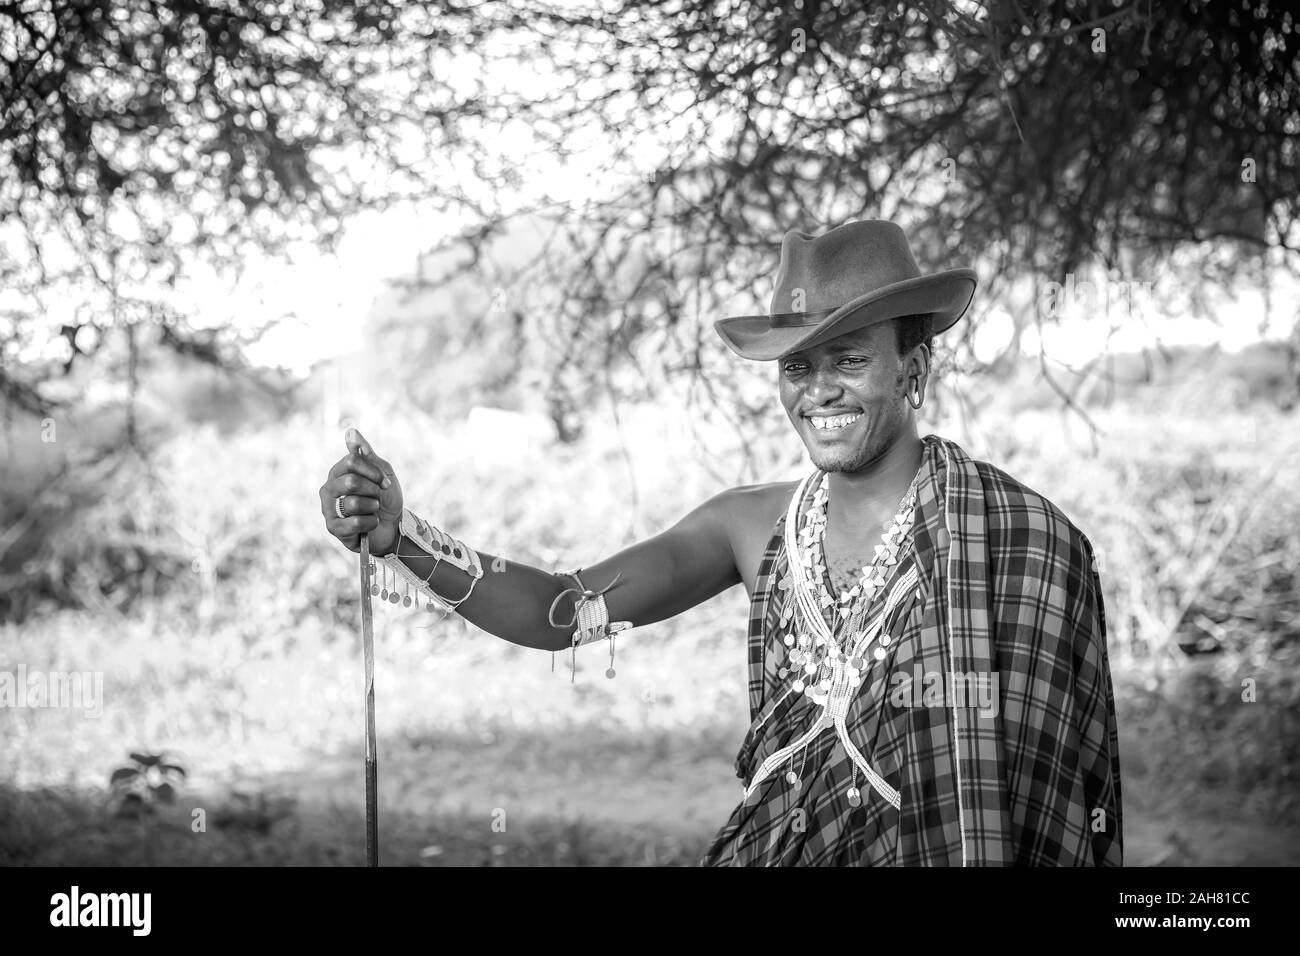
(818, 647)
(828, 662)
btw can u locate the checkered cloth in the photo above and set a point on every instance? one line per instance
(1026, 774)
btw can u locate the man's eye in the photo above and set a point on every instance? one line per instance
(855, 361)
(794, 367)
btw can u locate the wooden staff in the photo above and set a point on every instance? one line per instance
(372, 765)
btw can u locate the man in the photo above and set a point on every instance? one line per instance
(938, 694)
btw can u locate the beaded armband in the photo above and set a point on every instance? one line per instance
(591, 618)
(439, 545)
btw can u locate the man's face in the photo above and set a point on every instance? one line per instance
(846, 397)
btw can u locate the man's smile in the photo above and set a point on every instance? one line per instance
(829, 423)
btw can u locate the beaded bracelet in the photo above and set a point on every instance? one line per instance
(436, 543)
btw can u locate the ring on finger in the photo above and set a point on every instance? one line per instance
(338, 507)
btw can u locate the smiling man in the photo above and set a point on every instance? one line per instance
(928, 677)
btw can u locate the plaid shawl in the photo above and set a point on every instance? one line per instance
(1006, 593)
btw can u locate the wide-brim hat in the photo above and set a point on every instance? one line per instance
(851, 277)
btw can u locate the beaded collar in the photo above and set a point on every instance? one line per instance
(873, 575)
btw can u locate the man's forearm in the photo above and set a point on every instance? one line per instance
(513, 603)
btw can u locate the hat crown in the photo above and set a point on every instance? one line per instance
(830, 270)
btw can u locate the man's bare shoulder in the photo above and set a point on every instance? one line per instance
(750, 507)
(749, 514)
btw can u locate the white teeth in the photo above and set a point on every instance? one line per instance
(824, 423)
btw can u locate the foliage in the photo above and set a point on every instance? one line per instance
(1034, 142)
(143, 138)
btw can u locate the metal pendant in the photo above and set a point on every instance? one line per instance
(609, 672)
(855, 797)
(792, 778)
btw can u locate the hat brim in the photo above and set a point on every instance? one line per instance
(945, 295)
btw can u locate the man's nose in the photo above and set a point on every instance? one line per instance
(823, 384)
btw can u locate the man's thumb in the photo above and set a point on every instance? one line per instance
(357, 445)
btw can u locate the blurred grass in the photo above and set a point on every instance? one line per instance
(224, 620)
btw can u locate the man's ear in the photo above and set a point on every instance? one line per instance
(917, 362)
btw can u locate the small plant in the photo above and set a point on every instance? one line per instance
(139, 788)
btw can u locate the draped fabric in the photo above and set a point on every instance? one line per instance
(991, 714)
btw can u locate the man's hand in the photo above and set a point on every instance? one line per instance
(372, 498)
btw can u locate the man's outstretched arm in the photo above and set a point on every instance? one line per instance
(657, 578)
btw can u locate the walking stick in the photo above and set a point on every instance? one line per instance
(368, 651)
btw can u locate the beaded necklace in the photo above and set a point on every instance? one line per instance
(829, 662)
(818, 646)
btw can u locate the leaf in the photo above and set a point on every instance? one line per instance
(145, 760)
(165, 792)
(132, 805)
(169, 767)
(123, 773)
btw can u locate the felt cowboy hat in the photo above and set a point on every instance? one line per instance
(856, 275)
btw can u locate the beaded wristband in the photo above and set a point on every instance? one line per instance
(442, 547)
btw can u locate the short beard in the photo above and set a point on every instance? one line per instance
(840, 461)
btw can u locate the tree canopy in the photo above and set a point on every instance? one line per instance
(1032, 139)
